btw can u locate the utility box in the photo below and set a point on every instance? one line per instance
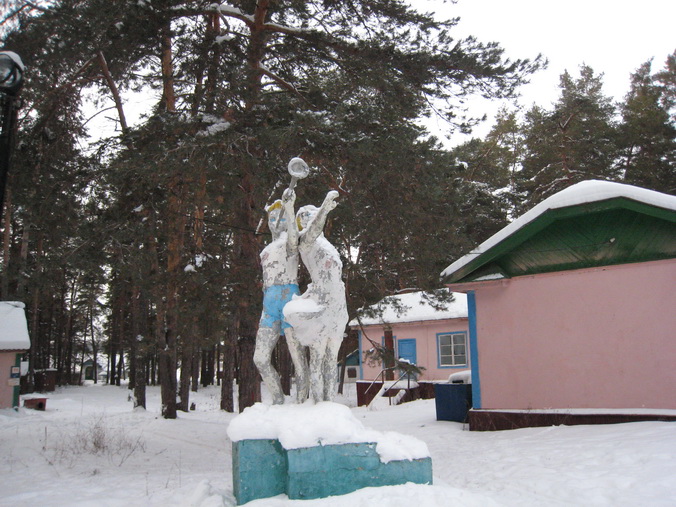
(453, 401)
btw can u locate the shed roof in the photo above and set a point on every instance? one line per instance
(592, 223)
(413, 307)
(13, 328)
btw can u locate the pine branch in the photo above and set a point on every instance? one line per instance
(114, 91)
(284, 84)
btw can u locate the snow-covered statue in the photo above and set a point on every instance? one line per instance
(319, 316)
(279, 261)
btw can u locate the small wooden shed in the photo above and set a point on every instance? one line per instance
(571, 310)
(14, 341)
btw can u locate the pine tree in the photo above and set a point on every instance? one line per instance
(496, 161)
(666, 79)
(647, 135)
(573, 142)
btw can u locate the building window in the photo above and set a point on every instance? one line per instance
(452, 349)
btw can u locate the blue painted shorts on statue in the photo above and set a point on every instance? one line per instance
(274, 299)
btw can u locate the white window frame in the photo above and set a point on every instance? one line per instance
(454, 356)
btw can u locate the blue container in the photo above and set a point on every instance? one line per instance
(453, 401)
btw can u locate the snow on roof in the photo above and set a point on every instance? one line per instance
(581, 193)
(13, 328)
(412, 307)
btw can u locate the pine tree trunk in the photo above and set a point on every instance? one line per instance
(132, 364)
(198, 244)
(137, 350)
(245, 262)
(341, 378)
(156, 296)
(35, 340)
(168, 349)
(120, 369)
(229, 351)
(389, 345)
(90, 325)
(195, 380)
(23, 261)
(208, 363)
(213, 361)
(249, 380)
(6, 239)
(204, 374)
(219, 371)
(176, 223)
(140, 387)
(168, 100)
(110, 368)
(116, 335)
(153, 371)
(82, 360)
(71, 360)
(246, 268)
(213, 30)
(167, 370)
(186, 374)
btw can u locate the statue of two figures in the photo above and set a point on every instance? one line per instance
(314, 320)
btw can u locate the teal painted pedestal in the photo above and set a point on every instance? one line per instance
(259, 469)
(263, 468)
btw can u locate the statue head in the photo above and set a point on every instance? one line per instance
(305, 215)
(274, 211)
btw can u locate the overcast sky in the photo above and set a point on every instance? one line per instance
(613, 37)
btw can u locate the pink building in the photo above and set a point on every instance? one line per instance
(434, 339)
(572, 311)
(13, 343)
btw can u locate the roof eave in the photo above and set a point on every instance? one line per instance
(483, 255)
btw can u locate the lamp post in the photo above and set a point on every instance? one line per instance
(11, 79)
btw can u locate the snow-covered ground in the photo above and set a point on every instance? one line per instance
(90, 448)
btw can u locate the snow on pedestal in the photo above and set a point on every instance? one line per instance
(315, 451)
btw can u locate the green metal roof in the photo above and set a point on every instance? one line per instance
(600, 233)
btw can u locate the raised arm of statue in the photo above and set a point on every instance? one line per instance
(288, 200)
(316, 227)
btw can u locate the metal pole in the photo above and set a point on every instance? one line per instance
(11, 81)
(9, 118)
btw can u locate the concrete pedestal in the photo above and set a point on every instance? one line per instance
(263, 468)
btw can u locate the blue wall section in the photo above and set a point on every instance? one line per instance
(474, 350)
